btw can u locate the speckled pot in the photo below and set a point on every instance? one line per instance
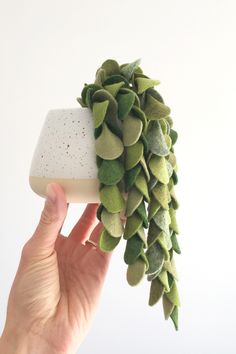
(65, 153)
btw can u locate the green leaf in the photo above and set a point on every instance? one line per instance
(153, 206)
(162, 195)
(131, 175)
(92, 87)
(174, 317)
(133, 249)
(168, 307)
(168, 141)
(172, 159)
(164, 280)
(139, 113)
(112, 223)
(111, 67)
(173, 295)
(145, 83)
(169, 168)
(110, 172)
(155, 94)
(153, 232)
(79, 99)
(145, 145)
(154, 109)
(100, 76)
(175, 177)
(114, 88)
(156, 140)
(108, 146)
(99, 211)
(106, 242)
(124, 90)
(133, 155)
(112, 199)
(169, 120)
(152, 183)
(174, 199)
(141, 185)
(155, 256)
(133, 201)
(169, 266)
(125, 103)
(111, 115)
(132, 129)
(142, 235)
(158, 167)
(88, 98)
(162, 220)
(141, 210)
(136, 272)
(113, 79)
(144, 258)
(173, 136)
(132, 225)
(153, 276)
(175, 243)
(145, 168)
(156, 291)
(128, 69)
(161, 239)
(164, 125)
(99, 112)
(173, 224)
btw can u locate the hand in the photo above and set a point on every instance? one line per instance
(58, 283)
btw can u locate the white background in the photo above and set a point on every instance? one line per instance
(49, 49)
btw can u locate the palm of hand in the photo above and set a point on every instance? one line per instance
(57, 296)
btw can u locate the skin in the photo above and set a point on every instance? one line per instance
(57, 287)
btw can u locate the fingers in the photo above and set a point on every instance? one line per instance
(86, 223)
(42, 243)
(95, 235)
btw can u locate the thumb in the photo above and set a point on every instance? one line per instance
(42, 243)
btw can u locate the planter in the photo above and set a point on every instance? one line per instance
(65, 153)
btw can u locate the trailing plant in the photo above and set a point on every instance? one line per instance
(137, 172)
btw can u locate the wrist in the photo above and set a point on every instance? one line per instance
(18, 342)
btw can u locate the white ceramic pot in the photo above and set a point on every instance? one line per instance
(65, 153)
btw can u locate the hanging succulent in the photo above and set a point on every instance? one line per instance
(137, 172)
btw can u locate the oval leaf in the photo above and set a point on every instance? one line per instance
(136, 271)
(106, 242)
(112, 199)
(133, 155)
(132, 129)
(110, 172)
(108, 146)
(112, 223)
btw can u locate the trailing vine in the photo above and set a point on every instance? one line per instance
(137, 172)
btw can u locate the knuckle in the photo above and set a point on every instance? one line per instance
(85, 220)
(48, 218)
(26, 249)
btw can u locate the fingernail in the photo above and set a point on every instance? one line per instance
(51, 195)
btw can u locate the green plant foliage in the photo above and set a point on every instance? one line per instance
(137, 171)
(133, 249)
(136, 271)
(107, 242)
(108, 146)
(110, 172)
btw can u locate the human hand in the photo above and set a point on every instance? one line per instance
(58, 283)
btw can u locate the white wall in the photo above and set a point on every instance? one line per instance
(49, 49)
